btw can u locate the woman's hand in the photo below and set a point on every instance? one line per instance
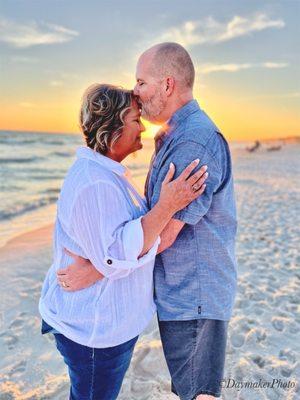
(79, 275)
(180, 192)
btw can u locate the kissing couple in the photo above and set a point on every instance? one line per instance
(119, 257)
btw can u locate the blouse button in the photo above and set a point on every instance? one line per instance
(109, 261)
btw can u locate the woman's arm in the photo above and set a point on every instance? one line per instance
(169, 234)
(175, 195)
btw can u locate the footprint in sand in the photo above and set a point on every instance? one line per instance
(18, 368)
(278, 323)
(259, 361)
(287, 355)
(237, 340)
(256, 335)
(19, 321)
(294, 329)
(286, 372)
(10, 340)
(258, 310)
(292, 308)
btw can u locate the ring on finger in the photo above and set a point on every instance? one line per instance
(195, 188)
(64, 284)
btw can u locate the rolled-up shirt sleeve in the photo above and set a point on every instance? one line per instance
(103, 227)
(182, 155)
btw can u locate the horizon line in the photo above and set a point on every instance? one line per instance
(79, 133)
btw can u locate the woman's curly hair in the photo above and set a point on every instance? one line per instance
(102, 115)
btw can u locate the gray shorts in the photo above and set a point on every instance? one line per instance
(195, 355)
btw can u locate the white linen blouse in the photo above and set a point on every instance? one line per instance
(99, 217)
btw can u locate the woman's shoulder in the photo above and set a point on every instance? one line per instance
(84, 173)
(83, 184)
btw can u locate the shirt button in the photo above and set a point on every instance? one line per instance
(109, 261)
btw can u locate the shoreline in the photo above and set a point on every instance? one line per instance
(37, 237)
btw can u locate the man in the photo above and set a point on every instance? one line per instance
(195, 277)
(195, 272)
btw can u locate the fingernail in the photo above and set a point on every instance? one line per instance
(205, 167)
(171, 165)
(196, 161)
(206, 174)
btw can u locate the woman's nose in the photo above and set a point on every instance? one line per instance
(142, 126)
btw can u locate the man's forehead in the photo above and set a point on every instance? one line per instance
(143, 65)
(140, 69)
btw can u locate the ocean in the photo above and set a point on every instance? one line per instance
(32, 169)
(33, 166)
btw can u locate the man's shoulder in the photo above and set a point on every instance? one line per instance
(199, 135)
(198, 128)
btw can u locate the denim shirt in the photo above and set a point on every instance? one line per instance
(196, 277)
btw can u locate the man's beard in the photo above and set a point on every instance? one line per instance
(153, 107)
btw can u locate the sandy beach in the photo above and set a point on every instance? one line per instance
(264, 339)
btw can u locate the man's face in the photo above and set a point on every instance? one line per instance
(149, 90)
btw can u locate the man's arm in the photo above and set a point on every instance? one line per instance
(82, 273)
(79, 275)
(169, 234)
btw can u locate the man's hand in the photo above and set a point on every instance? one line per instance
(79, 275)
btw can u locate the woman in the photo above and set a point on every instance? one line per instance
(101, 217)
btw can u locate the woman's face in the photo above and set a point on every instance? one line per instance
(130, 139)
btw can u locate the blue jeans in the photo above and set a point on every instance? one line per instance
(95, 374)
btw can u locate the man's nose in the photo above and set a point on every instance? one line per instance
(135, 90)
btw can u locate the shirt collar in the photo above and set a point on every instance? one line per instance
(183, 112)
(106, 162)
(180, 115)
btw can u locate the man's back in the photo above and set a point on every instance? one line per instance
(195, 278)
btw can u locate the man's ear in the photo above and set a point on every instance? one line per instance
(170, 82)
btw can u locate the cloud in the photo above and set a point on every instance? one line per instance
(274, 65)
(210, 68)
(33, 33)
(210, 30)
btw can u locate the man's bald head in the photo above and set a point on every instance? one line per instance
(171, 59)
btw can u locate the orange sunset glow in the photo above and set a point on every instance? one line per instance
(250, 87)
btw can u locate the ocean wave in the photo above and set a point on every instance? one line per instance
(19, 160)
(61, 154)
(54, 142)
(16, 141)
(21, 209)
(53, 190)
(47, 177)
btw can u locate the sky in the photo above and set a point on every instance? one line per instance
(246, 54)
